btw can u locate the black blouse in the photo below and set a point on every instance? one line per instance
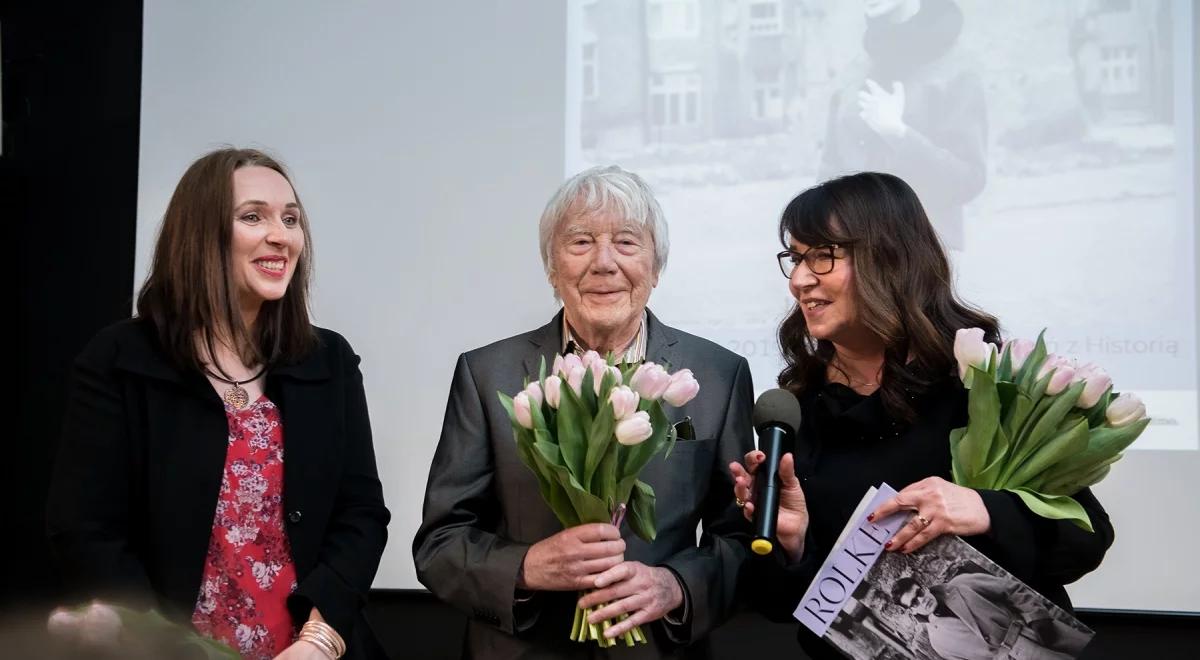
(848, 442)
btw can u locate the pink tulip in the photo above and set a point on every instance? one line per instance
(553, 391)
(635, 429)
(535, 393)
(682, 388)
(591, 357)
(1063, 370)
(575, 378)
(563, 364)
(1018, 351)
(521, 410)
(970, 350)
(598, 369)
(598, 376)
(1097, 381)
(617, 377)
(1125, 410)
(624, 401)
(650, 381)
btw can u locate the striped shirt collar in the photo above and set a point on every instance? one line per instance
(634, 353)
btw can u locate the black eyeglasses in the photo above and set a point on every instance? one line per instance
(819, 260)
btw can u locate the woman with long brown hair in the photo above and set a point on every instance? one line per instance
(869, 354)
(216, 461)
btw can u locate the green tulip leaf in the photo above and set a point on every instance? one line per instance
(1055, 507)
(506, 402)
(600, 436)
(641, 511)
(983, 409)
(587, 393)
(573, 423)
(1026, 376)
(1004, 369)
(1055, 450)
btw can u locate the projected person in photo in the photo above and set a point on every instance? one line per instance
(216, 461)
(913, 105)
(978, 616)
(491, 547)
(868, 353)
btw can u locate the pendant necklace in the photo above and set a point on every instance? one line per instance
(236, 395)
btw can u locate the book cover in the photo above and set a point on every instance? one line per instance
(947, 600)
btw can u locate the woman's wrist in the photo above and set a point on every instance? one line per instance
(321, 635)
(793, 547)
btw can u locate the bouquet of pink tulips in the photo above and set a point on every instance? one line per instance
(1038, 425)
(586, 430)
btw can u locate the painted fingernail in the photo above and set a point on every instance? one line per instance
(887, 546)
(871, 518)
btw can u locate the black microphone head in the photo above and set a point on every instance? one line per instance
(777, 406)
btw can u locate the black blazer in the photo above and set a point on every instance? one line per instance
(849, 442)
(134, 491)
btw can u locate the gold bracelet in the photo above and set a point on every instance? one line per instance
(327, 632)
(323, 645)
(324, 637)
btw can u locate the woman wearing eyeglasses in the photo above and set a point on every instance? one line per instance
(869, 354)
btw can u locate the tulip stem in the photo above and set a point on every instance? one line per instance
(583, 631)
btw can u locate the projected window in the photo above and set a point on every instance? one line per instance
(672, 18)
(768, 93)
(591, 87)
(1118, 69)
(675, 98)
(765, 17)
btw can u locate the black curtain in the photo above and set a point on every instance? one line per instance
(71, 98)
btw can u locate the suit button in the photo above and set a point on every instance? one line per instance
(294, 516)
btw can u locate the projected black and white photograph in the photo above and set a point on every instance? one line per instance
(1038, 135)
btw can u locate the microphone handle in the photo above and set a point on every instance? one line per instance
(766, 501)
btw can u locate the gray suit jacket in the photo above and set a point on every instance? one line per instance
(483, 509)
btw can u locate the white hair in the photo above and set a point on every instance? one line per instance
(608, 189)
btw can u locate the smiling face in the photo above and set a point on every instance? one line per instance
(603, 270)
(268, 237)
(828, 301)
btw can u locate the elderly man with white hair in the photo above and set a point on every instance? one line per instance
(491, 547)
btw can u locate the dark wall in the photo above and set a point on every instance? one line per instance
(71, 98)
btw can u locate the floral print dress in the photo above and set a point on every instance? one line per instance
(249, 572)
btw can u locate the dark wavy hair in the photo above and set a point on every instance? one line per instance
(901, 284)
(901, 586)
(189, 294)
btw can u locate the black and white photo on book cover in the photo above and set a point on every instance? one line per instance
(944, 601)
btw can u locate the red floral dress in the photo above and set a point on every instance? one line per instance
(249, 573)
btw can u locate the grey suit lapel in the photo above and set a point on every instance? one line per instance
(660, 345)
(545, 342)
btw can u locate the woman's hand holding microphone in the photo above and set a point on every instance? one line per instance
(793, 511)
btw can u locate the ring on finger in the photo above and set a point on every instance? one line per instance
(922, 520)
(739, 502)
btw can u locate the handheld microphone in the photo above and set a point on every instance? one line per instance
(776, 419)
